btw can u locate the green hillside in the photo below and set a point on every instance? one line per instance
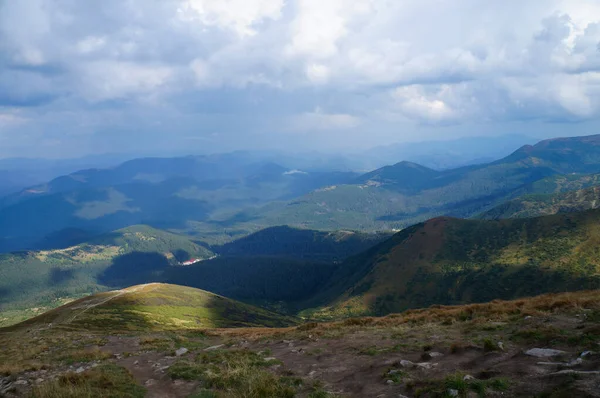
(155, 306)
(397, 196)
(452, 261)
(546, 204)
(132, 255)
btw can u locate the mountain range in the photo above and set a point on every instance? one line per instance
(328, 271)
(287, 311)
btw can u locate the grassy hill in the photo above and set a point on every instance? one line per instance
(452, 261)
(396, 196)
(132, 255)
(546, 204)
(155, 306)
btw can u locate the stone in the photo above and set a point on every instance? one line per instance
(406, 363)
(544, 352)
(501, 345)
(136, 363)
(586, 353)
(149, 382)
(180, 352)
(452, 392)
(40, 380)
(575, 362)
(80, 369)
(434, 354)
(394, 371)
(269, 359)
(214, 347)
(312, 373)
(390, 382)
(551, 363)
(468, 378)
(575, 372)
(21, 382)
(426, 365)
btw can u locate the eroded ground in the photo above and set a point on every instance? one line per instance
(477, 350)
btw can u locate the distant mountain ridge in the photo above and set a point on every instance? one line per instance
(394, 197)
(217, 197)
(166, 193)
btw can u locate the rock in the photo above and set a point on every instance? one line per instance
(394, 371)
(80, 369)
(426, 365)
(40, 380)
(452, 392)
(149, 382)
(468, 377)
(501, 345)
(575, 362)
(214, 347)
(21, 382)
(528, 317)
(312, 373)
(575, 372)
(136, 363)
(406, 364)
(179, 352)
(434, 354)
(586, 353)
(389, 382)
(543, 352)
(269, 359)
(551, 363)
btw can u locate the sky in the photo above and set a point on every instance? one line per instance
(89, 77)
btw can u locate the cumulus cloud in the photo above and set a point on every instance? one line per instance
(252, 68)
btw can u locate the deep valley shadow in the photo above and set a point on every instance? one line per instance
(134, 268)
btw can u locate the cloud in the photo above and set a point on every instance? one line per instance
(320, 121)
(241, 16)
(414, 103)
(250, 69)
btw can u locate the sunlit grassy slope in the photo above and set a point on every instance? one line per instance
(155, 306)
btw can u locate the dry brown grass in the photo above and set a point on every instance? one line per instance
(497, 310)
